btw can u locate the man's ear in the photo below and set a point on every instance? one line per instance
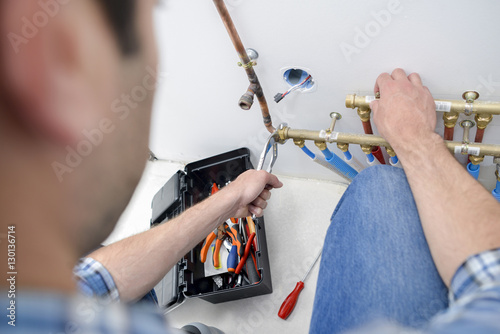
(59, 64)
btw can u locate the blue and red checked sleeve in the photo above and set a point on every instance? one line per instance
(474, 297)
(94, 280)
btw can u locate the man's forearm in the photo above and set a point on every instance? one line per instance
(459, 217)
(139, 262)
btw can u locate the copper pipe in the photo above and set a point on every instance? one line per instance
(367, 126)
(448, 133)
(364, 115)
(246, 100)
(479, 135)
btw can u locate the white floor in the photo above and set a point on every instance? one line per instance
(296, 222)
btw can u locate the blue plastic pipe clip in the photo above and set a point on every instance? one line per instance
(496, 191)
(473, 170)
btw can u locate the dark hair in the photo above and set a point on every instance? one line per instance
(121, 15)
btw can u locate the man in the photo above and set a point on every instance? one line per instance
(71, 159)
(76, 92)
(390, 255)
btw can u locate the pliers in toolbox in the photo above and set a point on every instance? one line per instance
(218, 234)
(237, 250)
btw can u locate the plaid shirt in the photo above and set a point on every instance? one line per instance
(95, 311)
(474, 305)
(474, 297)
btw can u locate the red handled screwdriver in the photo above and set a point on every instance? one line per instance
(290, 301)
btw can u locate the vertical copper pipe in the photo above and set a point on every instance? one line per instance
(448, 133)
(479, 135)
(367, 126)
(255, 86)
(376, 151)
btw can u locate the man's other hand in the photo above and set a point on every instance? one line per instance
(251, 191)
(405, 114)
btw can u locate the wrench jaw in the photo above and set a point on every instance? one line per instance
(273, 142)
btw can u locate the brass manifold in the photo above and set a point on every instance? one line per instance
(322, 136)
(456, 106)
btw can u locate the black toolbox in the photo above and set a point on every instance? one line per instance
(183, 190)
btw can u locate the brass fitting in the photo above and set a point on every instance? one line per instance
(470, 96)
(364, 114)
(344, 147)
(367, 149)
(450, 119)
(321, 145)
(482, 120)
(390, 151)
(350, 101)
(299, 142)
(476, 159)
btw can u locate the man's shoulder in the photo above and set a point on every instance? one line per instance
(41, 312)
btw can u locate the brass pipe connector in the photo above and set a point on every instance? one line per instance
(482, 120)
(364, 114)
(321, 145)
(450, 119)
(299, 142)
(246, 100)
(476, 159)
(367, 149)
(344, 147)
(390, 151)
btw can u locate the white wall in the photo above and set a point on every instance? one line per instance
(453, 44)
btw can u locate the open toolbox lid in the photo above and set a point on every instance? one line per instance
(184, 189)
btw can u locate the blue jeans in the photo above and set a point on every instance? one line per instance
(376, 264)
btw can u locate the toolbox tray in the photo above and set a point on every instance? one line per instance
(183, 190)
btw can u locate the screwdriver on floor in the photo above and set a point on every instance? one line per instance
(290, 301)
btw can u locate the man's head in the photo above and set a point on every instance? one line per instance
(76, 87)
